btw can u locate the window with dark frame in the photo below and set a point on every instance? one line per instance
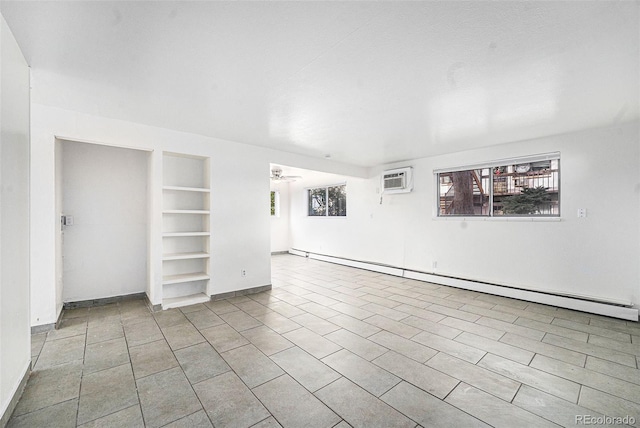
(330, 201)
(521, 188)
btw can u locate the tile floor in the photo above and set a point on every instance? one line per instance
(332, 346)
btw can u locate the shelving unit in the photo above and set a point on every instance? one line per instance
(186, 236)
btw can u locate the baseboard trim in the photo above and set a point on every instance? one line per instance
(43, 328)
(252, 290)
(563, 301)
(102, 301)
(17, 393)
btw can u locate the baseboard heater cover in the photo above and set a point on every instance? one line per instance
(575, 303)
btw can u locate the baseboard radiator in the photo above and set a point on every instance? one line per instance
(578, 303)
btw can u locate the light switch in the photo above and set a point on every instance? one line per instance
(582, 212)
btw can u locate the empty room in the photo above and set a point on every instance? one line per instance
(319, 214)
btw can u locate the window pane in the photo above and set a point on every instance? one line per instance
(464, 193)
(273, 203)
(338, 201)
(528, 189)
(317, 201)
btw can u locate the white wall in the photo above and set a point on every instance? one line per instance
(105, 250)
(280, 234)
(240, 185)
(593, 256)
(15, 344)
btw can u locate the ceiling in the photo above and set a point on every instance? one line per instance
(366, 82)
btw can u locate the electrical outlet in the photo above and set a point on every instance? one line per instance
(434, 265)
(243, 272)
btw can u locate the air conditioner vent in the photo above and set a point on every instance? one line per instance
(397, 180)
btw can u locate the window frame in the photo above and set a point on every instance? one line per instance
(491, 165)
(326, 189)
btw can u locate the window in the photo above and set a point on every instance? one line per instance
(525, 187)
(328, 201)
(275, 204)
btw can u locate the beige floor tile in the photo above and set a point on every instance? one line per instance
(426, 378)
(151, 358)
(555, 385)
(451, 347)
(395, 327)
(432, 327)
(562, 354)
(609, 354)
(62, 415)
(514, 353)
(200, 362)
(511, 328)
(470, 327)
(426, 409)
(166, 397)
(609, 368)
(354, 325)
(315, 324)
(267, 340)
(362, 347)
(609, 405)
(592, 329)
(554, 409)
(105, 392)
(310, 372)
(553, 328)
(312, 343)
(602, 382)
(359, 408)
(293, 406)
(361, 372)
(403, 346)
(229, 403)
(492, 410)
(481, 378)
(251, 365)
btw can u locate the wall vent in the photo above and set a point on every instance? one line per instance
(398, 180)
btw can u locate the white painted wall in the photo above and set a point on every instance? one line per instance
(241, 232)
(593, 256)
(15, 345)
(280, 234)
(105, 250)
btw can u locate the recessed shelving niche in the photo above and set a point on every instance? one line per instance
(186, 206)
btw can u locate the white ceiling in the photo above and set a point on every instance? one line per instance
(368, 83)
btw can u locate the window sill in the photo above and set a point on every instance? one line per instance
(508, 219)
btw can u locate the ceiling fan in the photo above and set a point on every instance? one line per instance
(276, 175)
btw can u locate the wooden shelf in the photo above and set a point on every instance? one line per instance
(186, 277)
(192, 299)
(176, 234)
(184, 256)
(185, 212)
(187, 189)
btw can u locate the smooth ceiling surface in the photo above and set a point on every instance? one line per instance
(369, 83)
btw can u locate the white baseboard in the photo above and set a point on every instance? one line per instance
(546, 298)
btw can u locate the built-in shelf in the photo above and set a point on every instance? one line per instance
(186, 205)
(185, 212)
(192, 299)
(176, 234)
(187, 189)
(184, 256)
(185, 277)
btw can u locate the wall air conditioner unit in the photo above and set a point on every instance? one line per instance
(399, 180)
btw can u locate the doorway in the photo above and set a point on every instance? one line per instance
(102, 201)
